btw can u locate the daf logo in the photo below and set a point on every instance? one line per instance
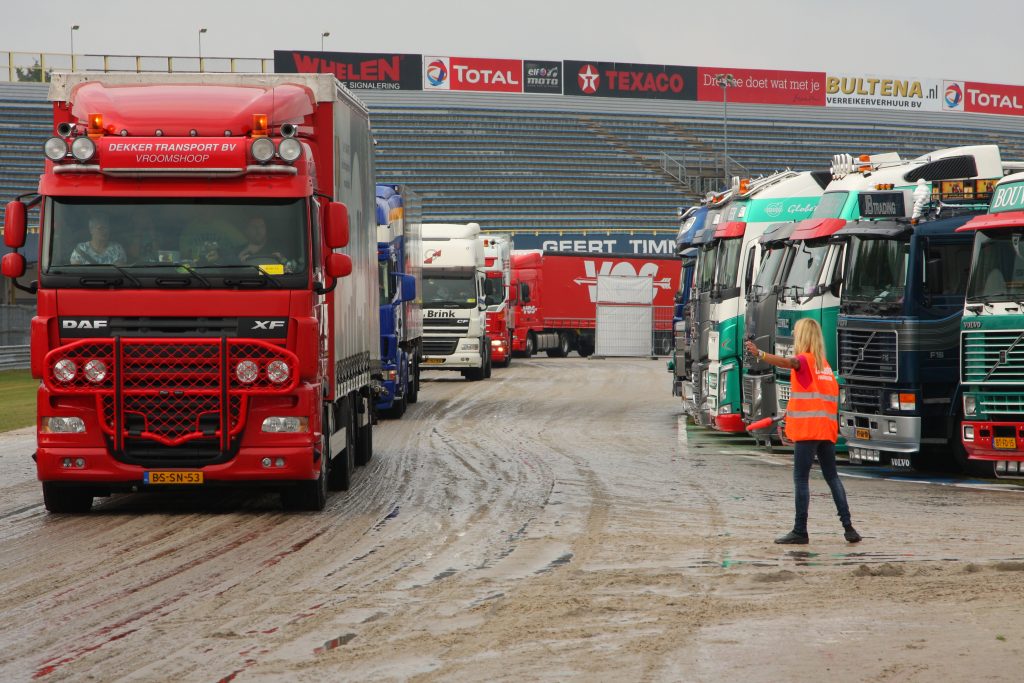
(267, 324)
(83, 324)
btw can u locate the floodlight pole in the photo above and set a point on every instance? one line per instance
(726, 81)
(323, 35)
(74, 28)
(201, 32)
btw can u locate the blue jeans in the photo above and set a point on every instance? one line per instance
(803, 459)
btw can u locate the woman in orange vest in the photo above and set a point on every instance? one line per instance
(811, 423)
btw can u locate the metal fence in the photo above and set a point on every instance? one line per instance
(29, 67)
(662, 334)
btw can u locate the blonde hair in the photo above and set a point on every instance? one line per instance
(807, 338)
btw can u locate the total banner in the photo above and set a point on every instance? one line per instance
(983, 98)
(357, 70)
(883, 92)
(763, 86)
(612, 79)
(473, 74)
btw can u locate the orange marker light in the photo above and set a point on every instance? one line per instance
(95, 125)
(259, 125)
(744, 185)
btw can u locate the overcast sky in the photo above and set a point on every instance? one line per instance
(953, 39)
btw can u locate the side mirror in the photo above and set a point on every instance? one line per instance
(524, 292)
(14, 224)
(482, 305)
(408, 287)
(338, 265)
(12, 265)
(336, 226)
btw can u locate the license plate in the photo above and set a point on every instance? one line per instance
(1007, 442)
(863, 433)
(172, 477)
(433, 361)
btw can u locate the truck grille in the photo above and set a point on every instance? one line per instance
(868, 354)
(864, 399)
(993, 356)
(173, 403)
(1000, 407)
(440, 346)
(782, 388)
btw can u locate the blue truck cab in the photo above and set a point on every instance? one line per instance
(399, 245)
(691, 222)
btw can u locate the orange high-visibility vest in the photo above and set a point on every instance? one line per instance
(812, 413)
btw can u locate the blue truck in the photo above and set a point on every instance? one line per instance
(399, 245)
(692, 221)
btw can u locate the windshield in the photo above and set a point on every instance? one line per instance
(449, 291)
(769, 270)
(494, 290)
(998, 271)
(706, 267)
(831, 205)
(143, 242)
(878, 271)
(805, 268)
(727, 272)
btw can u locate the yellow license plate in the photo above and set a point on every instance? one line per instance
(172, 477)
(433, 361)
(1007, 442)
(863, 433)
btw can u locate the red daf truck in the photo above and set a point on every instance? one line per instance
(497, 275)
(555, 298)
(207, 286)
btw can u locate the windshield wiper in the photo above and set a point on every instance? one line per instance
(191, 271)
(106, 281)
(264, 278)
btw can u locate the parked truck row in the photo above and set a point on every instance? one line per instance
(912, 282)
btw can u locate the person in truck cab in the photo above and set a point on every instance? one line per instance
(811, 423)
(99, 249)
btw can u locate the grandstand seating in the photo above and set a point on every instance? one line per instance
(571, 164)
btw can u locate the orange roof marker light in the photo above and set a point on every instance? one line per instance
(744, 185)
(95, 128)
(259, 126)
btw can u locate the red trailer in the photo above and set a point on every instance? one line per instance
(555, 298)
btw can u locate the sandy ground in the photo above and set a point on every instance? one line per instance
(557, 522)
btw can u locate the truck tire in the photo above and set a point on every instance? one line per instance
(531, 345)
(562, 350)
(64, 500)
(310, 496)
(339, 473)
(473, 374)
(487, 367)
(585, 347)
(364, 444)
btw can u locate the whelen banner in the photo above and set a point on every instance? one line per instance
(611, 79)
(883, 92)
(357, 70)
(763, 86)
(473, 74)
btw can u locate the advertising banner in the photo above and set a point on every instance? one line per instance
(883, 92)
(763, 86)
(597, 243)
(160, 153)
(611, 79)
(357, 70)
(542, 77)
(991, 98)
(472, 74)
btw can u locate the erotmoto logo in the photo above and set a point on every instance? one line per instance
(437, 73)
(589, 79)
(431, 255)
(954, 95)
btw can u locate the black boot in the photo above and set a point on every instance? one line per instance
(851, 534)
(793, 538)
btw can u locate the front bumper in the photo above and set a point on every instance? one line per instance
(457, 361)
(983, 444)
(884, 436)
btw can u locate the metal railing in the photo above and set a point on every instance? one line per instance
(35, 67)
(14, 357)
(700, 173)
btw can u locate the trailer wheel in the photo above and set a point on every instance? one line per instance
(413, 392)
(339, 474)
(64, 500)
(364, 443)
(309, 495)
(562, 350)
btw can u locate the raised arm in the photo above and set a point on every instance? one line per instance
(771, 358)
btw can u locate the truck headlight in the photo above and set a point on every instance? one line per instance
(290, 149)
(55, 149)
(968, 432)
(278, 371)
(65, 370)
(83, 149)
(62, 425)
(247, 371)
(95, 371)
(470, 346)
(262, 150)
(970, 406)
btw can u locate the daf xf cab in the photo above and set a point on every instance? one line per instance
(992, 336)
(454, 310)
(497, 296)
(207, 303)
(399, 245)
